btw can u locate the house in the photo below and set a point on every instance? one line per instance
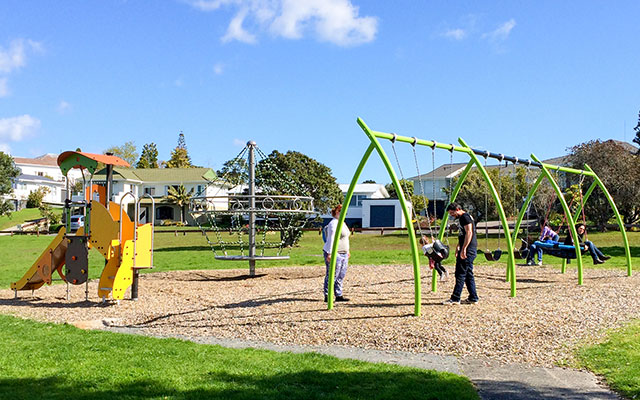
(40, 172)
(435, 182)
(370, 207)
(155, 183)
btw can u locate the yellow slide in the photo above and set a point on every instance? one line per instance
(51, 259)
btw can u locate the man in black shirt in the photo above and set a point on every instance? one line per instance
(466, 252)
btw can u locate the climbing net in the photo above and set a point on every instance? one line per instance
(252, 213)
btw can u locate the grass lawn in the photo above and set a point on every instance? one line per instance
(48, 361)
(191, 251)
(19, 217)
(617, 360)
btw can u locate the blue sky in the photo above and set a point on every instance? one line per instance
(511, 77)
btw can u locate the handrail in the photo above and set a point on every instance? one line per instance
(153, 220)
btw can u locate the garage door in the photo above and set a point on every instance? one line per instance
(382, 216)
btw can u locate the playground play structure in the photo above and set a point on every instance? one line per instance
(247, 210)
(125, 245)
(474, 161)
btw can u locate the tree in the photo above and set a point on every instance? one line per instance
(149, 156)
(618, 170)
(180, 197)
(128, 152)
(369, 181)
(294, 173)
(234, 172)
(474, 196)
(405, 184)
(35, 197)
(8, 172)
(636, 139)
(179, 156)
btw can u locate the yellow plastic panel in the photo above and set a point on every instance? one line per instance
(143, 246)
(52, 258)
(124, 274)
(104, 229)
(108, 277)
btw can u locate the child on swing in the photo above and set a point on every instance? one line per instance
(435, 258)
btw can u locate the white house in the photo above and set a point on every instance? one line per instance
(40, 172)
(370, 206)
(156, 182)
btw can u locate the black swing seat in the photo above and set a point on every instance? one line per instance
(438, 251)
(492, 255)
(523, 251)
(558, 250)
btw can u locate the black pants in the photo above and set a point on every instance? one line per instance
(464, 275)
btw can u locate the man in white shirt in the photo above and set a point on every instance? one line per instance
(342, 256)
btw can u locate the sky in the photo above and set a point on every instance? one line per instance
(512, 77)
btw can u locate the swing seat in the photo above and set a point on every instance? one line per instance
(558, 250)
(438, 251)
(521, 253)
(492, 256)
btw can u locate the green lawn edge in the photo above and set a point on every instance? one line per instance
(616, 359)
(52, 361)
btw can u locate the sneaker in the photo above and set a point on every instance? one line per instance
(597, 261)
(530, 263)
(450, 302)
(341, 298)
(605, 258)
(539, 263)
(325, 298)
(444, 277)
(469, 301)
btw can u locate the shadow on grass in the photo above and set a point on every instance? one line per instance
(306, 384)
(618, 251)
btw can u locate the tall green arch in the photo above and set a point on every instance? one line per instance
(474, 160)
(574, 218)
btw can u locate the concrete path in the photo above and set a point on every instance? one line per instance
(493, 380)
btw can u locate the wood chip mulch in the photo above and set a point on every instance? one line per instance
(548, 319)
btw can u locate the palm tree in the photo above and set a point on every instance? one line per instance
(179, 196)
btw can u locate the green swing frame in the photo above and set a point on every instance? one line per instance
(473, 154)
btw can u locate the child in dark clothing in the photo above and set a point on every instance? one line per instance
(428, 250)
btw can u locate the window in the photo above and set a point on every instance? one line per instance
(356, 200)
(200, 190)
(40, 173)
(151, 191)
(166, 189)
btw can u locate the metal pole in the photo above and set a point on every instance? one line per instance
(252, 205)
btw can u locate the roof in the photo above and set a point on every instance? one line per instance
(162, 174)
(44, 179)
(443, 171)
(365, 188)
(103, 158)
(45, 159)
(28, 177)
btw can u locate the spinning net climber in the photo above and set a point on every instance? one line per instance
(254, 211)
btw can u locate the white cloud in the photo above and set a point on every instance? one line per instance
(334, 21)
(63, 107)
(501, 33)
(4, 89)
(5, 148)
(455, 34)
(235, 31)
(15, 56)
(239, 142)
(15, 129)
(218, 68)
